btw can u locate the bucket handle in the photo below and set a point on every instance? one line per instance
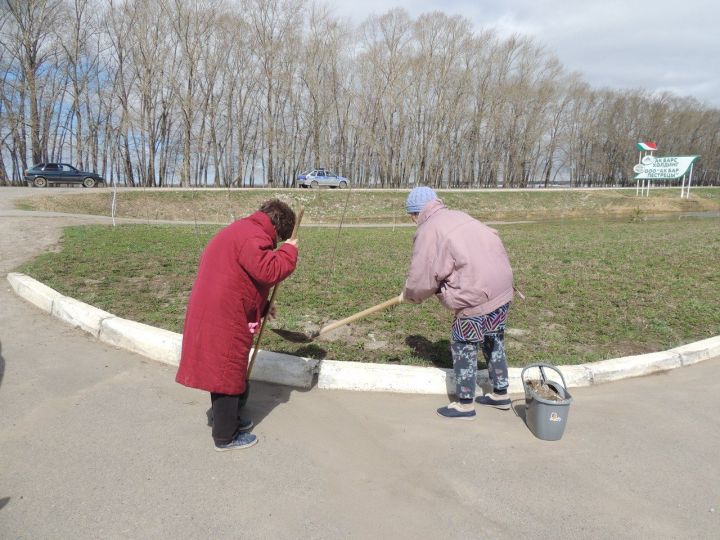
(542, 373)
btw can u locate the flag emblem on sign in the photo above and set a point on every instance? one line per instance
(647, 146)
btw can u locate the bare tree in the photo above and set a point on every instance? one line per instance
(32, 40)
(212, 91)
(273, 41)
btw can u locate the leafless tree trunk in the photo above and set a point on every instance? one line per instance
(34, 21)
(210, 90)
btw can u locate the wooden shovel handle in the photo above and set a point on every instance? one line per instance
(386, 304)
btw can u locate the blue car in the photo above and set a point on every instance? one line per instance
(317, 178)
(44, 174)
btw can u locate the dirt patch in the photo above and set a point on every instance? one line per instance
(543, 390)
(374, 344)
(517, 333)
(553, 327)
(355, 335)
(630, 348)
(25, 237)
(343, 333)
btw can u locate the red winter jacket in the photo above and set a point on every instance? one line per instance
(237, 269)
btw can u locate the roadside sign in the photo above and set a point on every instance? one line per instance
(667, 168)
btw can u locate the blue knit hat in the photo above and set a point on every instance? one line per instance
(418, 198)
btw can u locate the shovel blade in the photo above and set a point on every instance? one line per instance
(293, 336)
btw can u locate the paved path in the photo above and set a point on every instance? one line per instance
(97, 442)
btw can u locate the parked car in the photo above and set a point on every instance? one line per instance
(322, 177)
(44, 174)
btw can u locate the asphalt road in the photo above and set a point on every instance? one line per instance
(96, 442)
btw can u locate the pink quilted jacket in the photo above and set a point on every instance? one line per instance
(461, 260)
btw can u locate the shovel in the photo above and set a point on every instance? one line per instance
(298, 336)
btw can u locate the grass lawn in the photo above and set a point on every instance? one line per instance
(595, 288)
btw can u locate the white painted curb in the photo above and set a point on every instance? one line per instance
(384, 378)
(633, 366)
(284, 369)
(154, 343)
(164, 346)
(79, 314)
(698, 351)
(33, 291)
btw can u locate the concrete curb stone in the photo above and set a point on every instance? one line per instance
(165, 346)
(33, 291)
(79, 314)
(633, 366)
(698, 351)
(155, 343)
(285, 369)
(337, 375)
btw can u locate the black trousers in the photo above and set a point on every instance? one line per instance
(226, 415)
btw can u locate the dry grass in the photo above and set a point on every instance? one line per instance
(374, 206)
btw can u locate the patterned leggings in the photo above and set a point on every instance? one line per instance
(468, 335)
(465, 355)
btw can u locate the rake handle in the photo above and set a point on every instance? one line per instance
(364, 313)
(271, 302)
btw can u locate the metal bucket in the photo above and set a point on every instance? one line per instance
(546, 418)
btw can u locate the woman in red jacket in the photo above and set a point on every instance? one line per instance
(237, 269)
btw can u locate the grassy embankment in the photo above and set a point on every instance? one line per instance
(596, 288)
(374, 206)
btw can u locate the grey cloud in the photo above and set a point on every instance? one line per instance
(663, 45)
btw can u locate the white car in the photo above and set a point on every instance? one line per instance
(322, 177)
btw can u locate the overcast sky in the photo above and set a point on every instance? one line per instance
(657, 45)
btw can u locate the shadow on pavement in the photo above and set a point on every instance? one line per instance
(518, 407)
(263, 398)
(3, 502)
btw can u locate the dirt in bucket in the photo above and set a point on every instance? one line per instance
(544, 390)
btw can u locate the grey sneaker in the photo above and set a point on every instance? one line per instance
(497, 401)
(244, 440)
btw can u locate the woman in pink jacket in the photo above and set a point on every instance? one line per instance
(229, 297)
(464, 263)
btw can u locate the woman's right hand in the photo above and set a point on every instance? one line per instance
(292, 242)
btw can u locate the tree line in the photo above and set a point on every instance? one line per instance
(249, 92)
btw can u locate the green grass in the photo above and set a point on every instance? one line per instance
(595, 288)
